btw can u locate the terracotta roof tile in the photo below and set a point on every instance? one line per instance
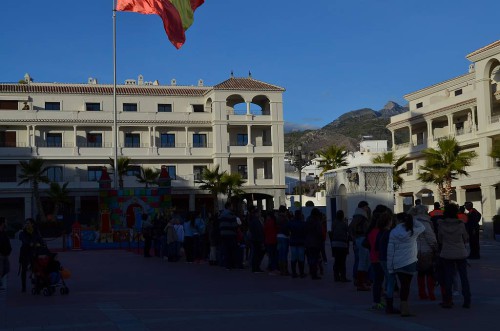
(247, 84)
(102, 89)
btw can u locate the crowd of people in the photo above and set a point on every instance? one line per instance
(389, 250)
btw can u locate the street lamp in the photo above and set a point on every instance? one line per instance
(300, 160)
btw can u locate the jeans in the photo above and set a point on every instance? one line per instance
(339, 255)
(230, 250)
(363, 254)
(390, 280)
(272, 255)
(298, 253)
(283, 249)
(379, 279)
(257, 254)
(449, 271)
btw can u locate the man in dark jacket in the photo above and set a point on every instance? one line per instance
(313, 241)
(472, 226)
(297, 228)
(5, 250)
(228, 226)
(256, 232)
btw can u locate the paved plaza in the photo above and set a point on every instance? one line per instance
(121, 290)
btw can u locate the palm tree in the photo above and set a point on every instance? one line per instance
(232, 183)
(333, 157)
(495, 151)
(445, 164)
(33, 172)
(148, 176)
(397, 170)
(211, 180)
(59, 196)
(123, 164)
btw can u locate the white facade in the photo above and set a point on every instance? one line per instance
(237, 124)
(347, 186)
(468, 108)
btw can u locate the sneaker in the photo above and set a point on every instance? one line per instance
(378, 306)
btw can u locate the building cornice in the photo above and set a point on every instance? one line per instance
(417, 118)
(91, 121)
(440, 86)
(484, 52)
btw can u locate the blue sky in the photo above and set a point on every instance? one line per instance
(331, 56)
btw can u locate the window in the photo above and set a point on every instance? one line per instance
(199, 140)
(92, 106)
(164, 108)
(133, 171)
(52, 106)
(54, 174)
(198, 172)
(167, 140)
(198, 108)
(8, 139)
(242, 139)
(132, 140)
(94, 174)
(420, 105)
(420, 138)
(54, 139)
(171, 172)
(94, 139)
(409, 169)
(458, 92)
(129, 107)
(242, 170)
(8, 173)
(8, 104)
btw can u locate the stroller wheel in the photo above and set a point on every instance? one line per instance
(64, 290)
(47, 292)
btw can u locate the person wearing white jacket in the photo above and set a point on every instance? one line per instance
(402, 255)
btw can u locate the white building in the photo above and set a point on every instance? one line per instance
(237, 124)
(465, 107)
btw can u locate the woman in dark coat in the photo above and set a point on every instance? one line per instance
(313, 242)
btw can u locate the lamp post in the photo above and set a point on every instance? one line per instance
(300, 160)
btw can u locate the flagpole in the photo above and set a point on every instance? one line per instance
(115, 115)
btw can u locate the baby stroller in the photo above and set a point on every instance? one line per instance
(46, 274)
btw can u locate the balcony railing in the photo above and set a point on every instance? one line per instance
(12, 144)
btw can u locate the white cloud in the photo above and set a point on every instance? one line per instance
(289, 126)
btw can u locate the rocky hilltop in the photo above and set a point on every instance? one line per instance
(348, 129)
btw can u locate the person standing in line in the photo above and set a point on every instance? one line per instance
(472, 226)
(256, 238)
(30, 240)
(379, 221)
(390, 278)
(340, 247)
(427, 250)
(179, 230)
(357, 230)
(214, 238)
(402, 254)
(5, 250)
(189, 237)
(171, 241)
(283, 237)
(313, 241)
(271, 242)
(228, 226)
(297, 228)
(147, 234)
(453, 236)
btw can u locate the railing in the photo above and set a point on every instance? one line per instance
(12, 145)
(244, 112)
(172, 145)
(95, 145)
(201, 145)
(134, 145)
(494, 119)
(401, 146)
(55, 144)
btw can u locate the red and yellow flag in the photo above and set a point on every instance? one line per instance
(177, 15)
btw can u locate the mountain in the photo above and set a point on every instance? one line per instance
(348, 129)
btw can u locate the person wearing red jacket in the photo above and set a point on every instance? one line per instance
(271, 243)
